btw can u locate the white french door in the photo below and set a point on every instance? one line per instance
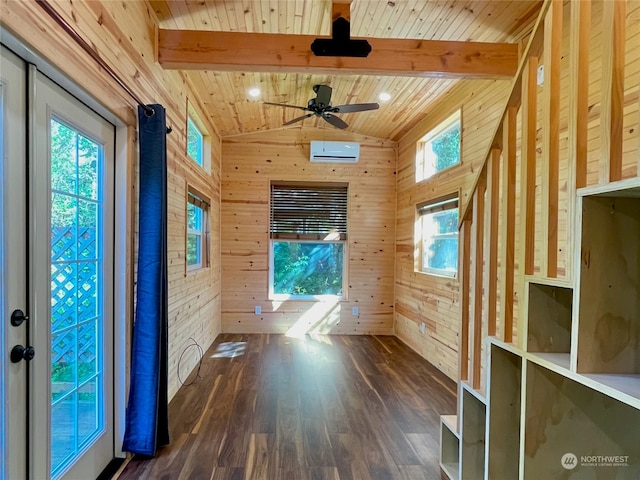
(62, 242)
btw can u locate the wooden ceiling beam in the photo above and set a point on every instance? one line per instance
(262, 52)
(341, 8)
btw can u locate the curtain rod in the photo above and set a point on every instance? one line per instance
(87, 48)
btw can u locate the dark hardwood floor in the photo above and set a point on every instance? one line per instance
(323, 407)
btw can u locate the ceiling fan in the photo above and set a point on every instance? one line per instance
(320, 106)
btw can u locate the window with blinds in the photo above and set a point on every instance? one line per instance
(308, 232)
(309, 212)
(438, 227)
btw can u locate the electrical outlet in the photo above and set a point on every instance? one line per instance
(257, 310)
(355, 311)
(423, 328)
(540, 75)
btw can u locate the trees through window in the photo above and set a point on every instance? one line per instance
(439, 149)
(438, 242)
(308, 231)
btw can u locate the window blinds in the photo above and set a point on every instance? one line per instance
(309, 212)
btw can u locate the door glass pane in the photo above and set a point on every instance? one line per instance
(77, 389)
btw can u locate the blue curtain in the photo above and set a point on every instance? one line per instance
(147, 417)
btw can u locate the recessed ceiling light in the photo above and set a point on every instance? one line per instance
(254, 92)
(384, 97)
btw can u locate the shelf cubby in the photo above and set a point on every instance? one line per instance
(449, 447)
(549, 314)
(472, 458)
(565, 417)
(609, 285)
(505, 393)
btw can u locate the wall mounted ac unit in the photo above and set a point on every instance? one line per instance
(337, 152)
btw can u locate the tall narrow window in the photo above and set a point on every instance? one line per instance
(439, 149)
(195, 142)
(438, 242)
(197, 230)
(308, 236)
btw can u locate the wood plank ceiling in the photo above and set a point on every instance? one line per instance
(225, 94)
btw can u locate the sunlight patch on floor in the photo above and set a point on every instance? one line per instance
(229, 350)
(319, 319)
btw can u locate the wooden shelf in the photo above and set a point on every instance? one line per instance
(450, 446)
(473, 435)
(609, 286)
(564, 416)
(552, 360)
(479, 394)
(549, 313)
(618, 386)
(505, 393)
(510, 347)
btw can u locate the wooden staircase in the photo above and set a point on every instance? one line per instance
(549, 347)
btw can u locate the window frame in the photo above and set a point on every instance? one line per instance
(194, 121)
(293, 237)
(201, 202)
(289, 296)
(443, 204)
(191, 126)
(443, 127)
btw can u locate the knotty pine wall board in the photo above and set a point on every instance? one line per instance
(194, 298)
(250, 163)
(428, 298)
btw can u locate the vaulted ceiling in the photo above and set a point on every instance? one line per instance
(225, 94)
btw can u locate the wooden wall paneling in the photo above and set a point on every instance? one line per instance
(492, 209)
(630, 134)
(250, 162)
(595, 80)
(551, 139)
(103, 25)
(421, 297)
(477, 253)
(579, 93)
(508, 224)
(612, 103)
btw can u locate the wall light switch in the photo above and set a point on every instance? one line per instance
(423, 328)
(257, 310)
(355, 311)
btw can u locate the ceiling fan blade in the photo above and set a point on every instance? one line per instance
(335, 121)
(285, 105)
(298, 119)
(356, 107)
(323, 94)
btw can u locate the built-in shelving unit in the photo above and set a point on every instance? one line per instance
(450, 446)
(608, 333)
(503, 438)
(550, 238)
(473, 428)
(563, 417)
(549, 313)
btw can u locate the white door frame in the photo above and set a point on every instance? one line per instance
(13, 285)
(125, 153)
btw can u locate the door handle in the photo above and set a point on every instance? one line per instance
(17, 317)
(19, 353)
